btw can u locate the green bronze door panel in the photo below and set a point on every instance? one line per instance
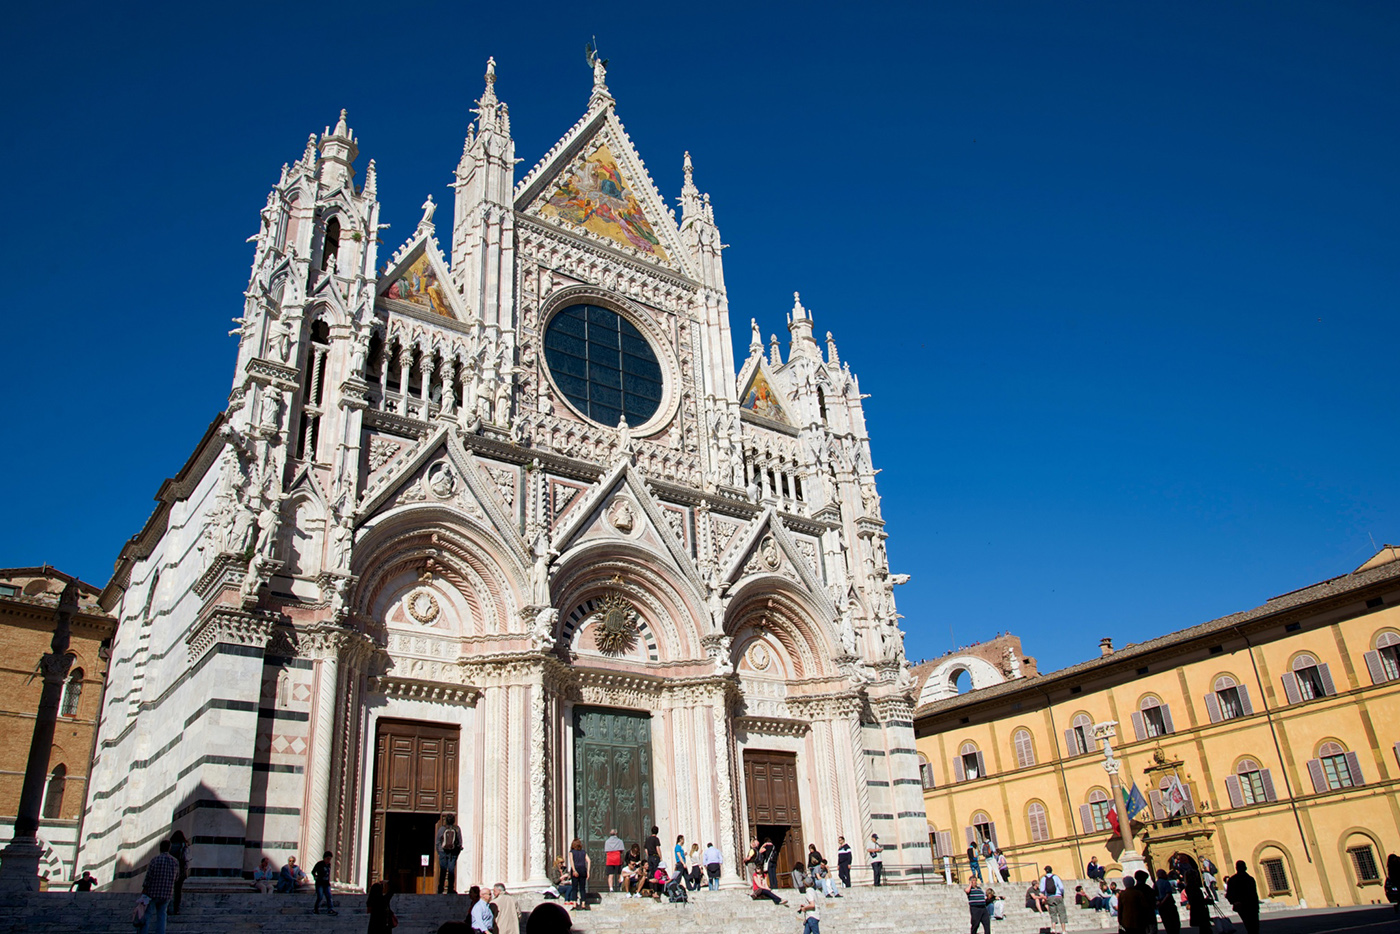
(612, 779)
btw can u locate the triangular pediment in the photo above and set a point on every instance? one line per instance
(768, 548)
(761, 397)
(620, 508)
(594, 185)
(441, 472)
(416, 281)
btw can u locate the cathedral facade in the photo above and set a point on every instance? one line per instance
(502, 531)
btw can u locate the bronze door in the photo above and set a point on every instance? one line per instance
(612, 780)
(770, 783)
(415, 783)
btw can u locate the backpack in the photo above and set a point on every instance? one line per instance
(451, 840)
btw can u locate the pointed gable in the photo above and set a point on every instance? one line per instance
(594, 194)
(592, 182)
(760, 398)
(417, 281)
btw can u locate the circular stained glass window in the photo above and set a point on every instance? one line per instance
(603, 365)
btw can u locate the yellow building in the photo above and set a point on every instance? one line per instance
(28, 601)
(1281, 723)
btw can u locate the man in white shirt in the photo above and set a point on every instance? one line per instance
(482, 919)
(714, 861)
(813, 924)
(1054, 891)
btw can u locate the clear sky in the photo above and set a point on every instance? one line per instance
(1120, 278)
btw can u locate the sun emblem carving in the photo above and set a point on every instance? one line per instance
(616, 630)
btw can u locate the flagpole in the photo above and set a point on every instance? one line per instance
(1129, 858)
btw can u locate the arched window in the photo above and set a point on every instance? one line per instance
(1383, 662)
(1025, 748)
(1275, 873)
(1095, 813)
(969, 764)
(332, 246)
(821, 403)
(53, 795)
(1039, 824)
(1079, 738)
(1307, 680)
(983, 830)
(1250, 784)
(72, 693)
(1228, 700)
(1334, 768)
(1363, 860)
(925, 772)
(1152, 718)
(313, 391)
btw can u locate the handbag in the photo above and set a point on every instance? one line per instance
(138, 913)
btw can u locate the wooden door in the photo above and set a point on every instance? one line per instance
(770, 783)
(612, 780)
(415, 773)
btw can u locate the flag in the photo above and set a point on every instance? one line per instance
(1135, 803)
(1113, 821)
(1174, 796)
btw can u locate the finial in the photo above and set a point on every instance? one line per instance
(371, 180)
(488, 97)
(689, 170)
(774, 357)
(600, 71)
(309, 157)
(491, 69)
(340, 128)
(756, 343)
(831, 356)
(798, 312)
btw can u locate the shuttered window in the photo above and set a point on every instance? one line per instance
(1228, 701)
(1079, 738)
(1307, 680)
(1152, 719)
(1335, 768)
(1383, 662)
(1039, 824)
(1025, 748)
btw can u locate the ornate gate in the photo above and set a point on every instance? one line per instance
(612, 779)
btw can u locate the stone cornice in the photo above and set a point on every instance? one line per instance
(412, 689)
(603, 251)
(231, 625)
(397, 424)
(271, 373)
(772, 726)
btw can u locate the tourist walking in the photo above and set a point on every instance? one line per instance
(1002, 867)
(1199, 917)
(977, 906)
(843, 862)
(265, 876)
(1054, 891)
(714, 862)
(321, 876)
(85, 882)
(483, 920)
(579, 866)
(180, 850)
(1130, 908)
(697, 871)
(1242, 892)
(813, 923)
(159, 887)
(1166, 903)
(381, 917)
(678, 854)
(449, 845)
(877, 856)
(507, 911)
(613, 848)
(974, 867)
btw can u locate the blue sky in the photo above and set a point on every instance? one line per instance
(1121, 279)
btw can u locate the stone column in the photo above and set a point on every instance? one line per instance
(325, 646)
(19, 862)
(1129, 858)
(405, 369)
(724, 790)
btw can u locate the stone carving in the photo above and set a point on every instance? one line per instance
(768, 553)
(380, 452)
(542, 632)
(621, 516)
(422, 606)
(759, 657)
(505, 483)
(442, 481)
(676, 520)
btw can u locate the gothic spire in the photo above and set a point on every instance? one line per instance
(338, 152)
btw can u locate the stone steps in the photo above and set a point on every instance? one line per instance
(889, 910)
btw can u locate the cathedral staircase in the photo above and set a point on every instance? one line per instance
(905, 909)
